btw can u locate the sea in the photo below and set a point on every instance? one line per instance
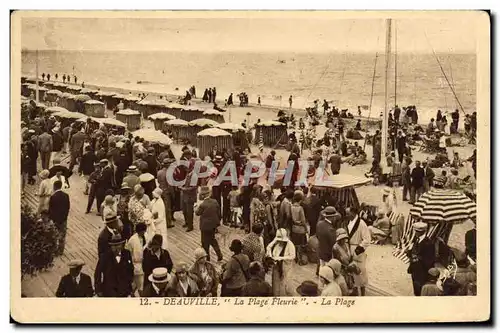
(346, 80)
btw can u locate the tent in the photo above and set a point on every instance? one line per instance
(178, 127)
(73, 89)
(274, 133)
(80, 102)
(107, 98)
(148, 108)
(238, 132)
(52, 95)
(153, 136)
(214, 115)
(110, 123)
(130, 102)
(210, 137)
(66, 118)
(160, 118)
(94, 108)
(198, 125)
(130, 117)
(175, 109)
(55, 109)
(190, 113)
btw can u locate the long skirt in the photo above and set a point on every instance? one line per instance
(280, 284)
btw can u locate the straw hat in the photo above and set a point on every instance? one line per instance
(159, 275)
(132, 168)
(199, 253)
(326, 273)
(341, 233)
(434, 272)
(329, 211)
(125, 186)
(181, 267)
(75, 263)
(420, 226)
(110, 218)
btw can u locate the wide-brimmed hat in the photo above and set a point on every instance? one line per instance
(181, 267)
(341, 233)
(420, 226)
(76, 263)
(110, 218)
(125, 186)
(308, 289)
(132, 168)
(204, 192)
(159, 275)
(158, 191)
(116, 240)
(434, 272)
(329, 211)
(326, 272)
(199, 253)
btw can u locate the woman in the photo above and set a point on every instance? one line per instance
(154, 256)
(341, 251)
(137, 204)
(270, 227)
(300, 228)
(148, 182)
(257, 208)
(159, 217)
(235, 271)
(122, 210)
(336, 267)
(282, 251)
(327, 279)
(205, 273)
(183, 284)
(44, 191)
(108, 207)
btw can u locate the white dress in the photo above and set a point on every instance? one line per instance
(160, 223)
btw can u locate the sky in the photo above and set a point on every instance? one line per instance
(262, 34)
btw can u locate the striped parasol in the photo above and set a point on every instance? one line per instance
(261, 140)
(440, 205)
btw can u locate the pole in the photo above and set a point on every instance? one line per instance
(385, 121)
(395, 65)
(36, 69)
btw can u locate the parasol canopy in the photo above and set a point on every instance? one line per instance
(161, 116)
(203, 122)
(153, 136)
(105, 121)
(213, 132)
(440, 205)
(69, 115)
(82, 98)
(176, 122)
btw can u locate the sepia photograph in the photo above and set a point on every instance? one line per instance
(250, 166)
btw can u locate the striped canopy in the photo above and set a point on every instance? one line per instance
(440, 205)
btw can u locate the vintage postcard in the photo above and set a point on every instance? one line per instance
(250, 167)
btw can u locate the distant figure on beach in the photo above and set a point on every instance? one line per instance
(209, 95)
(43, 76)
(205, 96)
(290, 101)
(56, 76)
(48, 77)
(64, 78)
(83, 84)
(214, 94)
(258, 101)
(325, 106)
(359, 111)
(230, 99)
(76, 79)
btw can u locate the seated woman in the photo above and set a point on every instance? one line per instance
(351, 155)
(380, 229)
(360, 158)
(457, 162)
(375, 172)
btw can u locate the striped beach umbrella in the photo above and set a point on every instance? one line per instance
(439, 205)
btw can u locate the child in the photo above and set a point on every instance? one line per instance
(234, 205)
(361, 279)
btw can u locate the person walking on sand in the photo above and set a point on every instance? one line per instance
(258, 101)
(290, 101)
(64, 78)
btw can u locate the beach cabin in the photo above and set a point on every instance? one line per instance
(190, 113)
(66, 101)
(23, 79)
(214, 115)
(41, 91)
(210, 137)
(238, 133)
(147, 108)
(55, 109)
(130, 102)
(90, 92)
(110, 123)
(340, 188)
(198, 125)
(116, 99)
(94, 108)
(179, 129)
(175, 109)
(53, 95)
(49, 85)
(131, 118)
(159, 118)
(25, 91)
(80, 102)
(60, 86)
(273, 133)
(107, 98)
(73, 89)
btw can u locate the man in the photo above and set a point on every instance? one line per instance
(325, 232)
(104, 182)
(76, 283)
(256, 286)
(45, 145)
(406, 177)
(155, 256)
(59, 206)
(290, 101)
(76, 146)
(335, 163)
(428, 177)
(111, 228)
(401, 145)
(132, 179)
(188, 198)
(422, 257)
(136, 245)
(114, 272)
(430, 287)
(253, 246)
(158, 286)
(417, 182)
(57, 167)
(209, 213)
(359, 237)
(430, 128)
(167, 191)
(397, 113)
(470, 243)
(312, 208)
(92, 181)
(150, 159)
(87, 166)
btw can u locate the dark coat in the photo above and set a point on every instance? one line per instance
(112, 278)
(417, 177)
(57, 141)
(69, 288)
(209, 213)
(103, 241)
(60, 168)
(325, 232)
(422, 258)
(256, 287)
(105, 182)
(59, 208)
(149, 291)
(312, 208)
(87, 163)
(150, 261)
(470, 243)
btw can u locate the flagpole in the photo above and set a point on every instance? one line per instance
(385, 121)
(36, 69)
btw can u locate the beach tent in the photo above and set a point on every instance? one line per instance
(80, 102)
(53, 95)
(130, 102)
(153, 136)
(160, 118)
(110, 123)
(175, 109)
(91, 92)
(274, 133)
(150, 107)
(107, 98)
(25, 91)
(94, 108)
(238, 132)
(190, 113)
(339, 189)
(178, 127)
(41, 91)
(67, 101)
(214, 115)
(210, 137)
(130, 117)
(198, 125)
(73, 89)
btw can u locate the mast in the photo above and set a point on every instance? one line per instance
(385, 119)
(36, 73)
(395, 64)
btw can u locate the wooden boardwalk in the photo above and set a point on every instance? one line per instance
(81, 243)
